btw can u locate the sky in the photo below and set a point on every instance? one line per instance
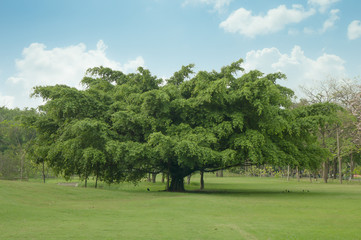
(49, 42)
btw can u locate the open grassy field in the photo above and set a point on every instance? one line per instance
(229, 208)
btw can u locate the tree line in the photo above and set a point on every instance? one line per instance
(15, 137)
(121, 127)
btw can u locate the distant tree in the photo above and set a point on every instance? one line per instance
(326, 118)
(14, 137)
(342, 137)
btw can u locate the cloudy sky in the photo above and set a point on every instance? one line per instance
(53, 42)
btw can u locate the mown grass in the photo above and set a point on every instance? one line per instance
(229, 208)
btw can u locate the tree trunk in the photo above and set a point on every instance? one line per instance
(202, 180)
(189, 179)
(221, 173)
(339, 155)
(96, 181)
(44, 171)
(325, 170)
(86, 182)
(177, 184)
(168, 176)
(21, 166)
(340, 168)
(168, 182)
(154, 176)
(334, 170)
(149, 178)
(163, 176)
(324, 164)
(297, 174)
(352, 166)
(288, 172)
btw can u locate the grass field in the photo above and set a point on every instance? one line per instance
(229, 208)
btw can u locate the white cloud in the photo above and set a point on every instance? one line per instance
(327, 24)
(299, 69)
(7, 101)
(330, 22)
(293, 32)
(354, 30)
(242, 21)
(308, 30)
(132, 65)
(40, 66)
(323, 5)
(218, 5)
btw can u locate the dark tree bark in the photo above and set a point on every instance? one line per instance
(202, 180)
(177, 184)
(177, 175)
(154, 177)
(163, 176)
(168, 177)
(168, 182)
(325, 171)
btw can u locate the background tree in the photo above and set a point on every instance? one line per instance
(342, 138)
(14, 137)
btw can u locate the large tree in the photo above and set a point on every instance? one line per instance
(123, 126)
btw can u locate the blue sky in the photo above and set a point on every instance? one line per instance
(48, 42)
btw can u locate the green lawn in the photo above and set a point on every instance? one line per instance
(230, 208)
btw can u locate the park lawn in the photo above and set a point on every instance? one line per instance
(229, 208)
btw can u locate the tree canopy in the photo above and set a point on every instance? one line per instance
(122, 126)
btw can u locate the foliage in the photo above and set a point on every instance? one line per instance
(357, 170)
(14, 138)
(340, 135)
(123, 126)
